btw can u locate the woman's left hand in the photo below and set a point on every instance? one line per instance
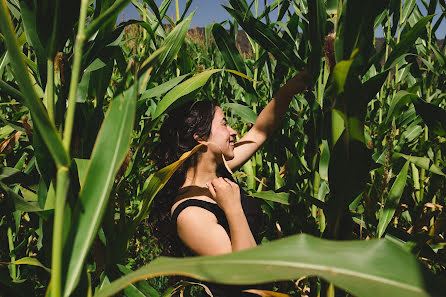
(297, 84)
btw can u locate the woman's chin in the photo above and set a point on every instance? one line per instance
(228, 156)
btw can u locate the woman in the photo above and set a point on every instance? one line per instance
(211, 216)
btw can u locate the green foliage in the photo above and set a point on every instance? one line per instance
(359, 155)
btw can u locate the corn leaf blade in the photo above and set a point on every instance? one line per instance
(392, 200)
(110, 149)
(389, 269)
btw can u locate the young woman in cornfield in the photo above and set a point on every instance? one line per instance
(209, 213)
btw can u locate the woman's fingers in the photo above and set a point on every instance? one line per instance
(233, 185)
(221, 185)
(211, 189)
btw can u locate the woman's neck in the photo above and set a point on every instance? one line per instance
(204, 172)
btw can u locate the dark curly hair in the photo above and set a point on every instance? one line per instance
(176, 138)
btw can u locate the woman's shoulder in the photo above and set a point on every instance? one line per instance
(189, 194)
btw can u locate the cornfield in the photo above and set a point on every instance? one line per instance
(352, 184)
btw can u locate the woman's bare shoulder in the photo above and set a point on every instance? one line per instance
(191, 192)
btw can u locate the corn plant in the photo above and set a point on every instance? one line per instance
(359, 155)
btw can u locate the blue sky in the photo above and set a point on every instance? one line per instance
(209, 11)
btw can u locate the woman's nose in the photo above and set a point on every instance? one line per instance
(232, 131)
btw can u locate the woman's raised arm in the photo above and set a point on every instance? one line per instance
(268, 120)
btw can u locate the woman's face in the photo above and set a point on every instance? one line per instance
(222, 135)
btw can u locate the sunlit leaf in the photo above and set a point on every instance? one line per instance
(244, 112)
(386, 267)
(27, 261)
(110, 149)
(392, 200)
(157, 181)
(422, 162)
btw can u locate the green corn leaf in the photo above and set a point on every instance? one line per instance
(340, 74)
(139, 289)
(317, 17)
(267, 38)
(422, 162)
(82, 167)
(156, 182)
(407, 10)
(398, 101)
(325, 160)
(173, 43)
(246, 113)
(39, 116)
(280, 197)
(231, 56)
(248, 169)
(109, 151)
(388, 269)
(20, 203)
(105, 17)
(182, 89)
(393, 200)
(11, 175)
(27, 261)
(161, 89)
(187, 87)
(407, 40)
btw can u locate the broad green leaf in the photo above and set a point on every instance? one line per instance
(27, 261)
(182, 89)
(340, 73)
(407, 9)
(161, 89)
(11, 175)
(248, 169)
(355, 266)
(337, 125)
(39, 115)
(156, 182)
(105, 17)
(82, 167)
(173, 43)
(187, 87)
(422, 162)
(231, 56)
(392, 201)
(246, 113)
(407, 40)
(317, 18)
(139, 289)
(324, 161)
(398, 101)
(412, 132)
(267, 38)
(146, 68)
(19, 202)
(280, 197)
(109, 151)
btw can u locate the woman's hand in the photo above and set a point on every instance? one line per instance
(226, 193)
(297, 84)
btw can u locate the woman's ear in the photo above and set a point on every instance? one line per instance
(198, 139)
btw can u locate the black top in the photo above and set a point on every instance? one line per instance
(251, 208)
(253, 213)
